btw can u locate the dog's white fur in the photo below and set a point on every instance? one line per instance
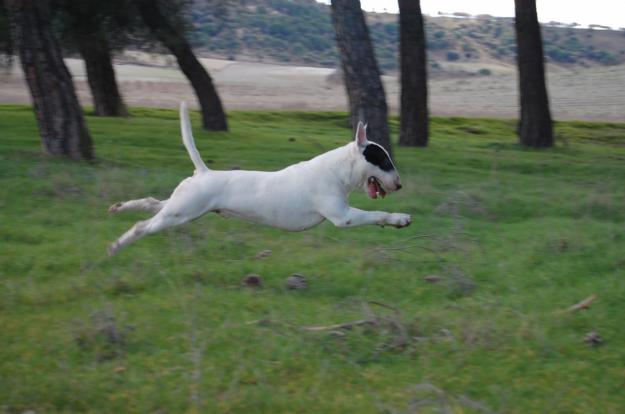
(295, 198)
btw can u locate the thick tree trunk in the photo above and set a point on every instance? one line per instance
(535, 125)
(360, 70)
(414, 90)
(95, 50)
(61, 123)
(213, 116)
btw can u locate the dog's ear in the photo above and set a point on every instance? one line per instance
(361, 134)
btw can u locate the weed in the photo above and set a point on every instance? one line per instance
(104, 334)
(427, 398)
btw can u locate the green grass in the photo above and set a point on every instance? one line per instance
(515, 236)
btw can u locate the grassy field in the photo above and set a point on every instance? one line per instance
(467, 308)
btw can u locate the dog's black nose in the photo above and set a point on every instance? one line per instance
(399, 186)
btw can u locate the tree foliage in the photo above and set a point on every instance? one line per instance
(114, 20)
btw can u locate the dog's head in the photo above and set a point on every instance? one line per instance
(376, 166)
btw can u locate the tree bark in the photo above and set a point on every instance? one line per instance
(413, 63)
(213, 116)
(367, 100)
(61, 124)
(535, 126)
(107, 100)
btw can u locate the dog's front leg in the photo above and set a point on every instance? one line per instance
(352, 217)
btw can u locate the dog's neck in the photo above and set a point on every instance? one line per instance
(341, 164)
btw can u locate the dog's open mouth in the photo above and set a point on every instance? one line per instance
(374, 188)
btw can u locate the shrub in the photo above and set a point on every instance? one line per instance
(451, 56)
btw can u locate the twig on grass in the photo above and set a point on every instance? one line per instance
(406, 247)
(346, 326)
(584, 304)
(313, 328)
(371, 319)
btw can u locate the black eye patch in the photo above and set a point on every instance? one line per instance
(377, 156)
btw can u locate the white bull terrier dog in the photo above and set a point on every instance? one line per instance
(295, 198)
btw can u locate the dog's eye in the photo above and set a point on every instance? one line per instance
(377, 156)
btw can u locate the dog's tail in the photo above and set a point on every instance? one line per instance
(187, 139)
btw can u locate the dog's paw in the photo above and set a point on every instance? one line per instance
(112, 249)
(399, 220)
(115, 208)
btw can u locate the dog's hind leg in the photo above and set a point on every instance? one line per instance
(184, 205)
(163, 219)
(143, 204)
(143, 228)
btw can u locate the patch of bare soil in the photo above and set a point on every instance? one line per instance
(587, 94)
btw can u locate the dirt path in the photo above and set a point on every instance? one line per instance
(588, 94)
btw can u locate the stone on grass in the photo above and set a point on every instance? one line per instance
(432, 278)
(263, 253)
(252, 280)
(296, 282)
(593, 338)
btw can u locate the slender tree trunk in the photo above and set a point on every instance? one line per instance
(535, 126)
(360, 70)
(213, 116)
(61, 123)
(95, 50)
(6, 43)
(414, 89)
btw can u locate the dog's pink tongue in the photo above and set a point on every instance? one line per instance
(372, 189)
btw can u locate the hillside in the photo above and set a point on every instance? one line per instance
(300, 32)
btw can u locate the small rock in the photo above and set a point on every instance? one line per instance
(263, 253)
(593, 338)
(432, 278)
(235, 167)
(296, 282)
(252, 280)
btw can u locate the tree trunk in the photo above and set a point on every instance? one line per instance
(414, 89)
(360, 70)
(213, 116)
(61, 123)
(95, 50)
(535, 127)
